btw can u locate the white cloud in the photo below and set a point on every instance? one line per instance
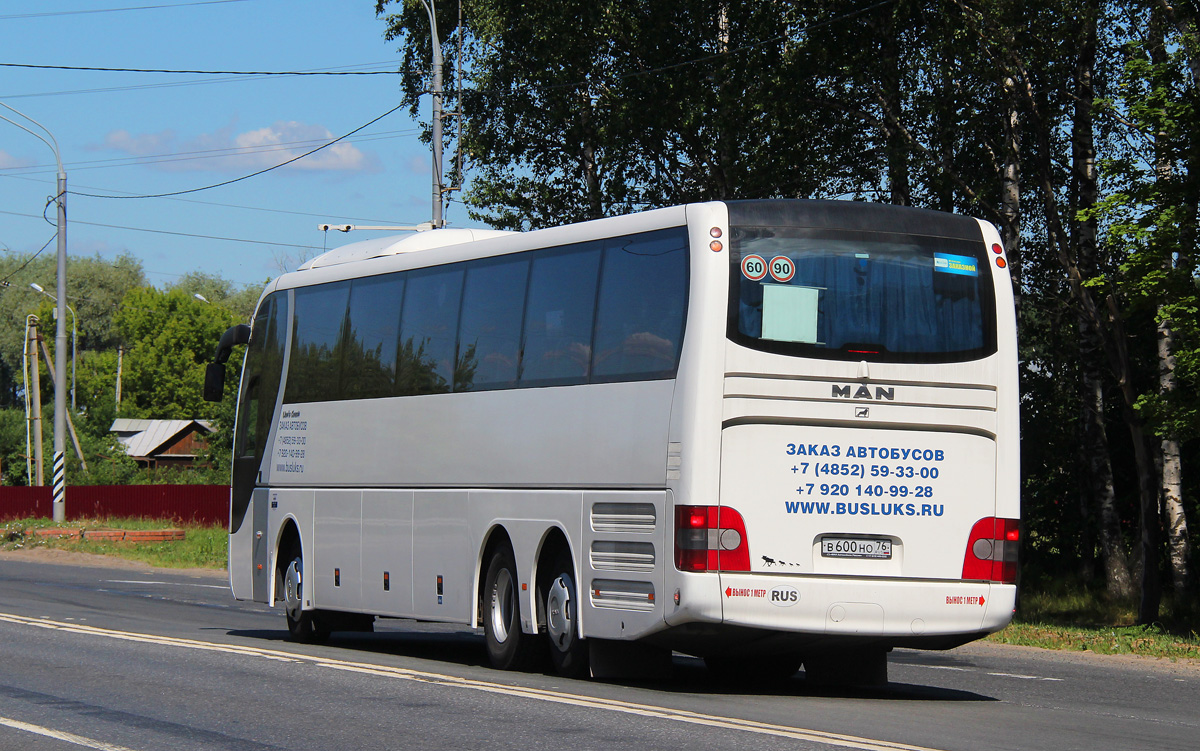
(147, 144)
(8, 161)
(226, 150)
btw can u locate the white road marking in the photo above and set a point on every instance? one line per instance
(972, 670)
(78, 740)
(450, 681)
(1024, 677)
(940, 667)
(167, 584)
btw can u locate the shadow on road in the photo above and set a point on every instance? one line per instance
(454, 645)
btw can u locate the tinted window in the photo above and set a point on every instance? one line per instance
(861, 295)
(639, 317)
(558, 318)
(248, 437)
(369, 362)
(256, 403)
(489, 339)
(313, 373)
(428, 326)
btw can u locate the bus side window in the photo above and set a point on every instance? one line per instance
(489, 338)
(428, 327)
(371, 335)
(557, 344)
(639, 318)
(315, 367)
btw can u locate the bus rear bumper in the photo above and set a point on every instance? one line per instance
(898, 612)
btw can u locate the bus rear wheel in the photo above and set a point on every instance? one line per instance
(304, 626)
(508, 648)
(568, 652)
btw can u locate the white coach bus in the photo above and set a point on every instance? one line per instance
(766, 433)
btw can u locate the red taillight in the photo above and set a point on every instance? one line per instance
(992, 550)
(710, 538)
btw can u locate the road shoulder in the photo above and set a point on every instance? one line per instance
(53, 557)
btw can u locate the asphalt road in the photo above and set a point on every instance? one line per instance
(119, 658)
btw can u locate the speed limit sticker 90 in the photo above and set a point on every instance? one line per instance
(782, 269)
(754, 268)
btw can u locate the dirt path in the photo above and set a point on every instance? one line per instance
(71, 558)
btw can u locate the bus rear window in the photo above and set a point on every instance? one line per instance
(858, 295)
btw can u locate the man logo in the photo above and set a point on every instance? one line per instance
(784, 597)
(843, 392)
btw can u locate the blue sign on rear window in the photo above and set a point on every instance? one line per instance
(952, 264)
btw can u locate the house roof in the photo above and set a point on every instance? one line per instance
(149, 437)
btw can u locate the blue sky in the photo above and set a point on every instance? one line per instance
(146, 133)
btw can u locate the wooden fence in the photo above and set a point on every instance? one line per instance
(206, 504)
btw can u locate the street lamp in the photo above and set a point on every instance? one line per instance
(74, 337)
(59, 505)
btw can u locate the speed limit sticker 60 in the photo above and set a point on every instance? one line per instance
(782, 269)
(754, 268)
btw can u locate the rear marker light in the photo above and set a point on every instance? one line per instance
(710, 538)
(1001, 263)
(991, 553)
(997, 249)
(715, 232)
(716, 246)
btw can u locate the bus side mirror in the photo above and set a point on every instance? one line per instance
(233, 336)
(214, 382)
(214, 373)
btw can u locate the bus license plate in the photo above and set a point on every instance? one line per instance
(855, 547)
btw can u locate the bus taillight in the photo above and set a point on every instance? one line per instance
(710, 538)
(992, 551)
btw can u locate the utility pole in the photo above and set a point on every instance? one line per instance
(59, 506)
(36, 384)
(436, 91)
(120, 358)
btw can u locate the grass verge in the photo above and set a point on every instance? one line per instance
(1070, 616)
(1152, 640)
(203, 546)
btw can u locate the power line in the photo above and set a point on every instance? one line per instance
(194, 82)
(169, 232)
(255, 73)
(49, 14)
(183, 156)
(310, 214)
(252, 174)
(19, 269)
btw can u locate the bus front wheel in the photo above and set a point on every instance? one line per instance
(568, 651)
(304, 626)
(508, 647)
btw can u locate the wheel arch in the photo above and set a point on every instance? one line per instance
(496, 536)
(555, 541)
(287, 538)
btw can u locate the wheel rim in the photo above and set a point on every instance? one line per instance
(291, 590)
(559, 612)
(503, 605)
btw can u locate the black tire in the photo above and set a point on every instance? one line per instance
(752, 670)
(304, 626)
(508, 648)
(568, 651)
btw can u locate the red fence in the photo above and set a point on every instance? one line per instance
(207, 504)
